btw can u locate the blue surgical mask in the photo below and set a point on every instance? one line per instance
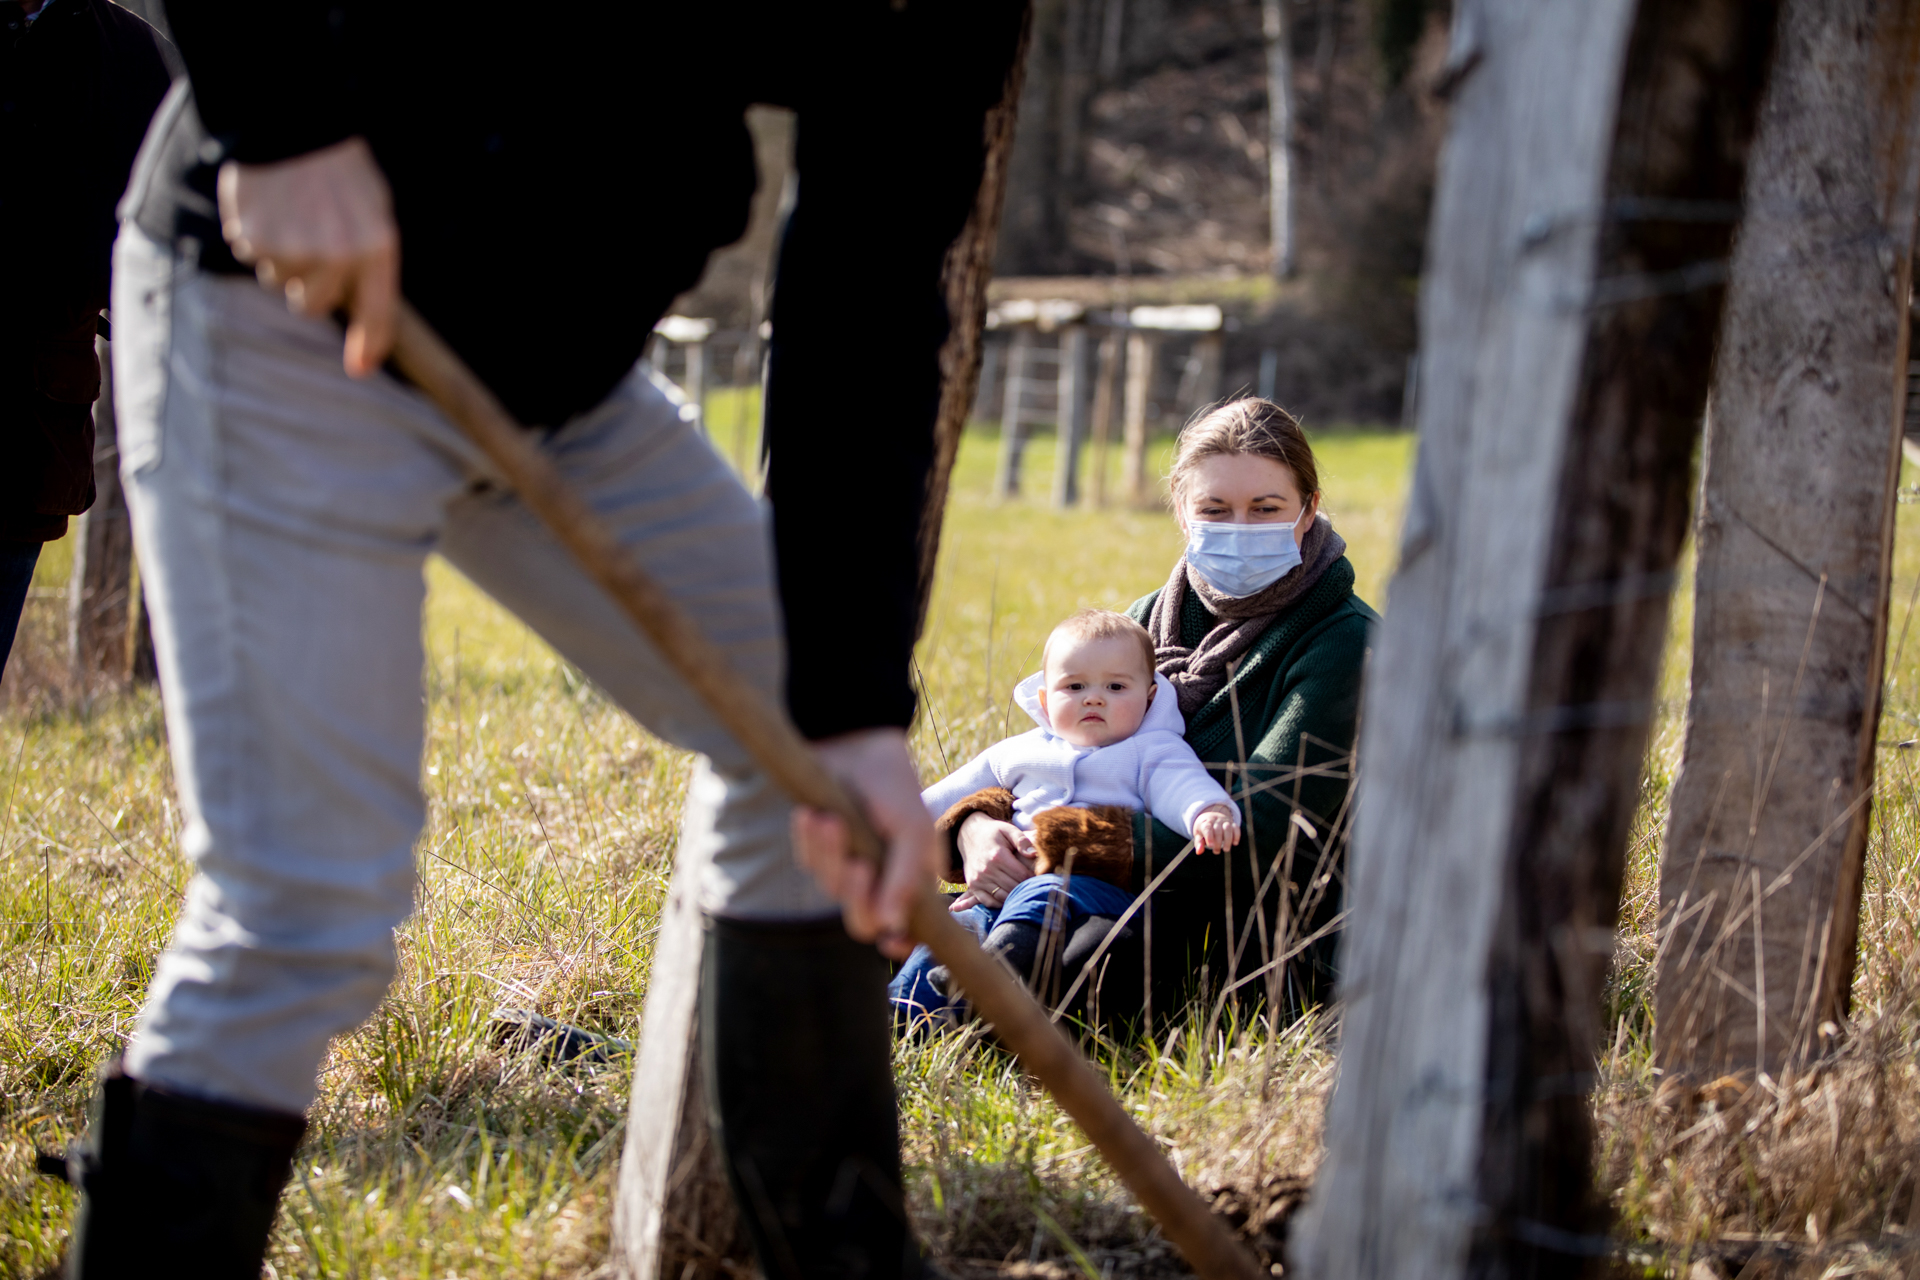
(1240, 560)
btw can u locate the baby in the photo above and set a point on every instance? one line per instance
(1108, 737)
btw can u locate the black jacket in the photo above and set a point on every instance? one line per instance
(560, 174)
(77, 88)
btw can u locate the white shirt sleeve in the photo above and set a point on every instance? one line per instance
(975, 775)
(1177, 786)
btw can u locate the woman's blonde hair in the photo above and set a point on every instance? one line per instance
(1248, 425)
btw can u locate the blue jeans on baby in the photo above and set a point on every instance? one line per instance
(916, 999)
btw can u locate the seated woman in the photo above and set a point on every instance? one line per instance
(1264, 642)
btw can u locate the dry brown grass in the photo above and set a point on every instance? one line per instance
(434, 1154)
(1815, 1173)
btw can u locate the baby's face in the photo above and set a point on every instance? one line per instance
(1096, 690)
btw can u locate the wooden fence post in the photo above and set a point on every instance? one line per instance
(673, 1213)
(1013, 429)
(98, 605)
(696, 383)
(989, 372)
(1142, 354)
(1206, 377)
(1107, 374)
(1567, 325)
(1071, 430)
(1766, 842)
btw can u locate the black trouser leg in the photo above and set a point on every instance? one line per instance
(175, 1186)
(796, 1039)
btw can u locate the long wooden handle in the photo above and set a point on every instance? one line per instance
(769, 736)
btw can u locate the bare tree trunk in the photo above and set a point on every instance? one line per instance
(673, 1213)
(1032, 215)
(1111, 45)
(1273, 24)
(1563, 371)
(1760, 877)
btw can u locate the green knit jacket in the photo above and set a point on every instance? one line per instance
(1296, 697)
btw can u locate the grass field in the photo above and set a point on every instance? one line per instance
(434, 1154)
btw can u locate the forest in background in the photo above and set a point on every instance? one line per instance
(1140, 160)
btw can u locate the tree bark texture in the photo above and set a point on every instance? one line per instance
(1766, 840)
(1273, 25)
(969, 268)
(1106, 375)
(1568, 316)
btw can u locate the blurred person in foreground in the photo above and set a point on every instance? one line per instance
(79, 80)
(541, 187)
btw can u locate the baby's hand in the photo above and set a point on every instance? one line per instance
(1217, 829)
(964, 902)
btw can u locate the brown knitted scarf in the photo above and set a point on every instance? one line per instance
(1200, 672)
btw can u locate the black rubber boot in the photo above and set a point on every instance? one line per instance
(175, 1186)
(797, 1042)
(1017, 943)
(1111, 998)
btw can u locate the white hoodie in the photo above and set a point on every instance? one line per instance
(1152, 769)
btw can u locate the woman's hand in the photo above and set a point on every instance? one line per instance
(1217, 829)
(995, 856)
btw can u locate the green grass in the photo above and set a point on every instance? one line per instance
(543, 867)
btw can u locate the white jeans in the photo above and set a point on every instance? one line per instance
(283, 513)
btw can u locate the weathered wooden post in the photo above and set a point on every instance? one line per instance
(673, 1215)
(1143, 351)
(1013, 438)
(1761, 871)
(1568, 315)
(98, 605)
(1071, 431)
(989, 371)
(1206, 378)
(1108, 372)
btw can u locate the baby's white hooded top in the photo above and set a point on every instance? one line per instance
(1154, 769)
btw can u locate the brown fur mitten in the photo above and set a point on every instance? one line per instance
(1098, 840)
(995, 802)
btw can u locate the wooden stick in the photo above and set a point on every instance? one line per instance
(764, 730)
